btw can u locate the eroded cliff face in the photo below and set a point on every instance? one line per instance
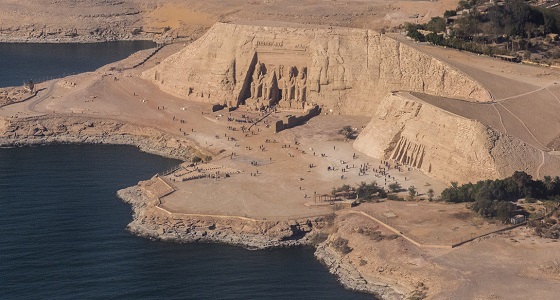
(343, 69)
(443, 145)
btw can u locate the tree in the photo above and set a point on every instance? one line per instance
(550, 22)
(343, 188)
(556, 189)
(547, 180)
(493, 198)
(394, 187)
(430, 195)
(416, 35)
(411, 192)
(434, 38)
(517, 13)
(436, 24)
(457, 194)
(369, 191)
(449, 13)
(503, 210)
(468, 26)
(412, 32)
(30, 85)
(483, 208)
(348, 132)
(463, 4)
(341, 245)
(523, 182)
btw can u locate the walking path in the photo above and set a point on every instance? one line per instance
(432, 246)
(500, 116)
(541, 165)
(524, 126)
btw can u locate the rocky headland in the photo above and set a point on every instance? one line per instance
(152, 221)
(322, 232)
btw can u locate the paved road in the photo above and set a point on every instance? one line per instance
(42, 96)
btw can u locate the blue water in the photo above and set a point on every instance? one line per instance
(63, 231)
(63, 236)
(41, 62)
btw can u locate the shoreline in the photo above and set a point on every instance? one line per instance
(150, 222)
(47, 130)
(71, 40)
(94, 40)
(119, 106)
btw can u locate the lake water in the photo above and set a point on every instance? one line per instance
(40, 62)
(63, 231)
(63, 236)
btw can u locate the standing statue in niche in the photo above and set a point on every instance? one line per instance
(319, 66)
(336, 70)
(339, 80)
(301, 85)
(281, 78)
(268, 83)
(257, 83)
(291, 84)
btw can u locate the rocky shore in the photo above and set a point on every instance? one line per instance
(64, 39)
(349, 276)
(150, 221)
(63, 129)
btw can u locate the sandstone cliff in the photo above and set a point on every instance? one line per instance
(444, 145)
(343, 69)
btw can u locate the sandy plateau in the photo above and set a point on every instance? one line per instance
(424, 116)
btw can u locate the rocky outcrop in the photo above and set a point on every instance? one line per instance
(349, 276)
(151, 221)
(444, 145)
(12, 95)
(57, 129)
(342, 69)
